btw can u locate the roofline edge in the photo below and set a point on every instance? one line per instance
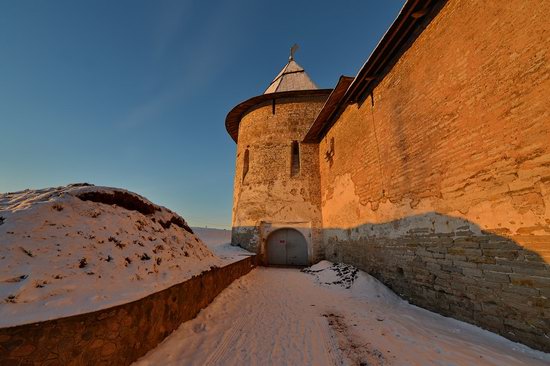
(402, 33)
(233, 118)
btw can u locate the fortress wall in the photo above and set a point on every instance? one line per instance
(268, 197)
(439, 184)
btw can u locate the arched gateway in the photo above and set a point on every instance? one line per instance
(287, 247)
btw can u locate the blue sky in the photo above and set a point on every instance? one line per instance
(134, 93)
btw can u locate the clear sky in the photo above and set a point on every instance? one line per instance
(134, 93)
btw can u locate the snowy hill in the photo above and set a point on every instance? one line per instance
(79, 248)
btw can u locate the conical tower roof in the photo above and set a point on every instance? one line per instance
(291, 77)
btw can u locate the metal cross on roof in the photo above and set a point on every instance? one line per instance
(293, 50)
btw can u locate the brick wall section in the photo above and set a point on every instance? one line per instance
(440, 182)
(269, 193)
(118, 335)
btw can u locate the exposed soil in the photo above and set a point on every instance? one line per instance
(121, 199)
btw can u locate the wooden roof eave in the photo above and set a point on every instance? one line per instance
(328, 109)
(234, 116)
(403, 30)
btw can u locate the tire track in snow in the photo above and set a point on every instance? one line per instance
(329, 342)
(225, 351)
(243, 331)
(226, 341)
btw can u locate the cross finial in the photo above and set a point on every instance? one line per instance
(293, 50)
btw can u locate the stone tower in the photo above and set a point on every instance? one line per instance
(276, 198)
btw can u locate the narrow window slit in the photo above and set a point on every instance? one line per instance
(246, 162)
(294, 159)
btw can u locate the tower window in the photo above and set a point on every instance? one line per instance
(246, 162)
(294, 158)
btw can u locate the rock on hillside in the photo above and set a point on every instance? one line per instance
(80, 248)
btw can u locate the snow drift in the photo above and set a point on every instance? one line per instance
(80, 248)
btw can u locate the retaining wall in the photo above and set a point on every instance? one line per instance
(117, 335)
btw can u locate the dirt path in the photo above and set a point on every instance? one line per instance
(278, 316)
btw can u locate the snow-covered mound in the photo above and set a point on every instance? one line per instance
(348, 277)
(329, 273)
(80, 248)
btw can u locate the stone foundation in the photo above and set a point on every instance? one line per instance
(451, 266)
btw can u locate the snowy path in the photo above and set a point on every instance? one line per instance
(280, 316)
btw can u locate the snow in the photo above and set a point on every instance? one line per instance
(61, 255)
(219, 242)
(283, 316)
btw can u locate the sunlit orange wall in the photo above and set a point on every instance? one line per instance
(459, 126)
